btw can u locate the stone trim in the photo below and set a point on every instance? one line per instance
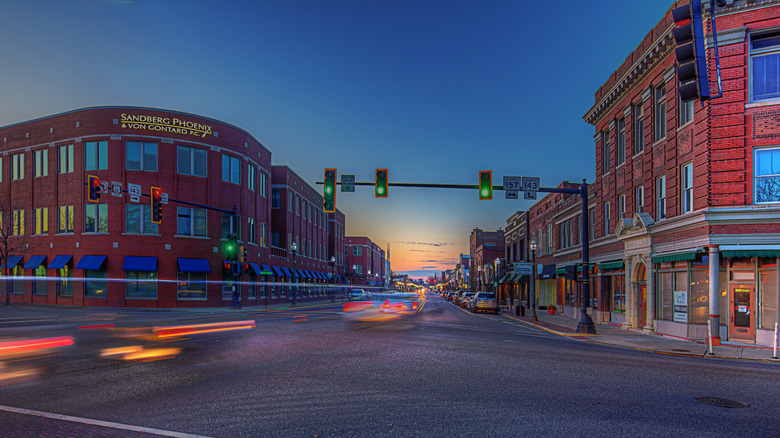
(727, 37)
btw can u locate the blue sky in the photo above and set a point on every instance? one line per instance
(432, 90)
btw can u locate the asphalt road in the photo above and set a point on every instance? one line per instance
(441, 372)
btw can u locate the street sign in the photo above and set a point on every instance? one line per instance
(511, 194)
(103, 186)
(347, 183)
(529, 195)
(116, 188)
(531, 184)
(163, 198)
(134, 189)
(512, 183)
(523, 268)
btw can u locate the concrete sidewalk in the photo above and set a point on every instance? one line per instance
(607, 334)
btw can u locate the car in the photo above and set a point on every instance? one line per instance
(357, 295)
(464, 299)
(484, 302)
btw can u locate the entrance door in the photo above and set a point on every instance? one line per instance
(642, 305)
(743, 316)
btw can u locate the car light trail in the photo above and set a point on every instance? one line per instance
(196, 329)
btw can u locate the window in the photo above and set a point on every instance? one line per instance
(1, 169)
(290, 200)
(17, 172)
(617, 287)
(357, 250)
(231, 172)
(621, 206)
(275, 197)
(96, 155)
(660, 111)
(251, 172)
(229, 227)
(138, 219)
(263, 190)
(41, 162)
(191, 221)
(766, 180)
(605, 146)
(549, 239)
(686, 111)
(251, 285)
(191, 161)
(141, 156)
(276, 239)
(18, 226)
(263, 234)
(40, 283)
(297, 205)
(96, 218)
(357, 269)
(65, 219)
(621, 141)
(66, 158)
(17, 279)
(660, 187)
(141, 284)
(592, 224)
(606, 218)
(65, 280)
(639, 129)
(41, 225)
(639, 197)
(252, 231)
(764, 67)
(191, 285)
(687, 188)
(96, 283)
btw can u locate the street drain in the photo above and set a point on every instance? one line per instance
(721, 402)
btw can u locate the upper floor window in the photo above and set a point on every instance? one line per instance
(191, 161)
(549, 239)
(290, 200)
(275, 197)
(621, 206)
(659, 111)
(660, 202)
(18, 222)
(605, 148)
(606, 218)
(41, 225)
(65, 219)
(252, 238)
(141, 156)
(357, 250)
(621, 141)
(639, 196)
(764, 67)
(263, 236)
(231, 171)
(263, 187)
(639, 129)
(686, 111)
(96, 155)
(41, 162)
(66, 158)
(229, 226)
(766, 179)
(191, 221)
(591, 224)
(96, 218)
(17, 172)
(138, 219)
(251, 177)
(687, 187)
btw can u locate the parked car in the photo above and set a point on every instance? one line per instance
(484, 302)
(357, 295)
(464, 300)
(449, 296)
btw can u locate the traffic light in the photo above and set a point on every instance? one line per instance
(156, 205)
(693, 81)
(231, 247)
(380, 183)
(485, 184)
(329, 191)
(243, 254)
(94, 188)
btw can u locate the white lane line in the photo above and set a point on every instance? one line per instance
(100, 423)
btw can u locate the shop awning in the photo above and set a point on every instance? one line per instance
(193, 265)
(287, 272)
(60, 261)
(278, 271)
(319, 275)
(91, 262)
(617, 264)
(548, 272)
(674, 257)
(503, 279)
(591, 267)
(266, 270)
(750, 250)
(34, 262)
(255, 268)
(521, 278)
(133, 263)
(13, 261)
(306, 273)
(560, 271)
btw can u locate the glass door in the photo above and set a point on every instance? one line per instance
(743, 316)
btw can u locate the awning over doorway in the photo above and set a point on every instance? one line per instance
(34, 262)
(60, 261)
(193, 265)
(91, 262)
(133, 263)
(548, 272)
(750, 250)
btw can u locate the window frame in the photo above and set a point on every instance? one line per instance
(659, 112)
(621, 141)
(17, 167)
(605, 150)
(686, 111)
(193, 154)
(70, 219)
(145, 212)
(41, 221)
(639, 128)
(142, 150)
(758, 53)
(100, 154)
(193, 219)
(686, 191)
(639, 199)
(606, 218)
(96, 212)
(660, 186)
(65, 160)
(233, 169)
(41, 158)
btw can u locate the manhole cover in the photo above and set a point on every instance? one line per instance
(721, 402)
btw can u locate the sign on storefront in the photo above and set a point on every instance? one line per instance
(680, 306)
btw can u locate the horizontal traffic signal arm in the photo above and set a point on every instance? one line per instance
(179, 201)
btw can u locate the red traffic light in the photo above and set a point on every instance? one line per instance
(93, 184)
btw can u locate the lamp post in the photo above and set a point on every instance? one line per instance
(495, 275)
(533, 278)
(294, 248)
(479, 278)
(333, 277)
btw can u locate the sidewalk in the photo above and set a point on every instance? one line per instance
(607, 334)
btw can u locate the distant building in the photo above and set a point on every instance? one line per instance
(365, 262)
(485, 247)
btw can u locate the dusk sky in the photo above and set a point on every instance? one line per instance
(435, 91)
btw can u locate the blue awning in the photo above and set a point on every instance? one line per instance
(277, 271)
(255, 268)
(133, 263)
(548, 272)
(13, 261)
(60, 261)
(91, 262)
(194, 265)
(34, 262)
(307, 273)
(319, 275)
(267, 269)
(287, 271)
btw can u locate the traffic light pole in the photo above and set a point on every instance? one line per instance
(235, 300)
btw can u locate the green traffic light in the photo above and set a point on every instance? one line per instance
(485, 184)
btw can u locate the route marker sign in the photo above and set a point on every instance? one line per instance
(531, 184)
(512, 182)
(529, 195)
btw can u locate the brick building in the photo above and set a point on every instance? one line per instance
(336, 249)
(365, 262)
(485, 247)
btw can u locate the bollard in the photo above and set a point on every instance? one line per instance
(774, 356)
(709, 335)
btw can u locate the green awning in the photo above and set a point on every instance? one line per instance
(611, 265)
(521, 278)
(560, 271)
(750, 251)
(592, 266)
(679, 257)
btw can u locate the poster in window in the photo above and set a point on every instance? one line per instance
(680, 306)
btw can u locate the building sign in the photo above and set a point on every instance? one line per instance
(681, 306)
(523, 268)
(175, 125)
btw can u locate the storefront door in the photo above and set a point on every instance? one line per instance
(642, 305)
(742, 323)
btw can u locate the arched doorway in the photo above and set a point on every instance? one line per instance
(640, 282)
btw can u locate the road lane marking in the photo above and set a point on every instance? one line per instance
(108, 424)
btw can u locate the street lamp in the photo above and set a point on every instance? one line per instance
(533, 277)
(333, 277)
(479, 277)
(294, 248)
(495, 275)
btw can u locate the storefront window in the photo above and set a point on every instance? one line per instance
(95, 283)
(191, 285)
(141, 284)
(665, 306)
(768, 298)
(699, 304)
(65, 281)
(617, 286)
(252, 285)
(39, 285)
